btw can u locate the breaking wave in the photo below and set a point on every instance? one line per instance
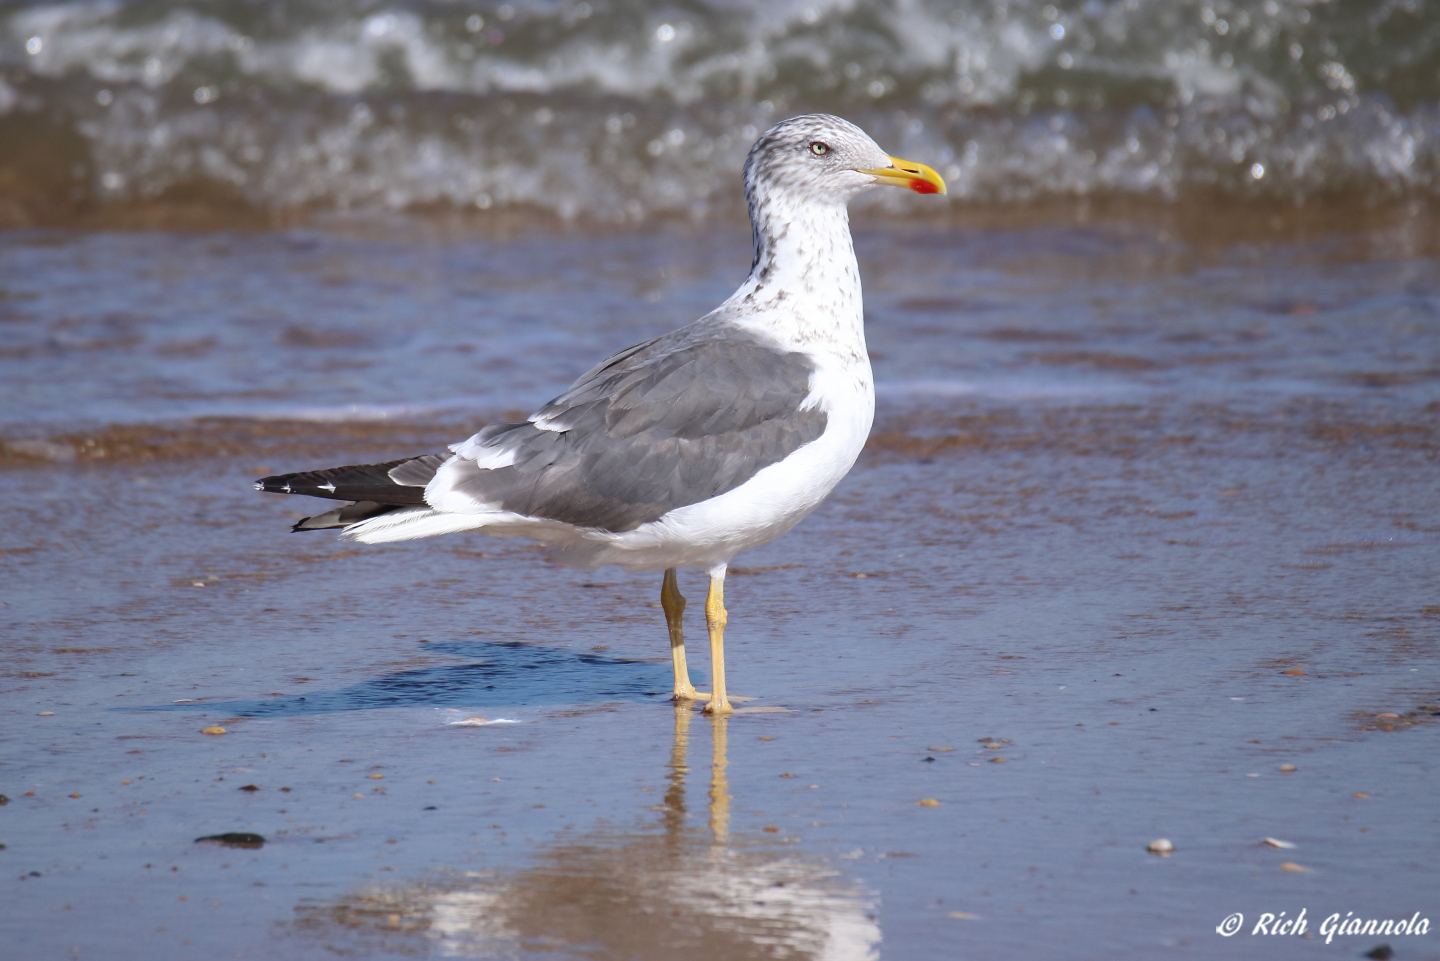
(622, 109)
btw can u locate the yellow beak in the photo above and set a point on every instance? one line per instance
(907, 173)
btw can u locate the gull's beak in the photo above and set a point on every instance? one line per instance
(907, 173)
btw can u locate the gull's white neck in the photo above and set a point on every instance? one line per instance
(804, 285)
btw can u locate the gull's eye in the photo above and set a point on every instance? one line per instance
(819, 148)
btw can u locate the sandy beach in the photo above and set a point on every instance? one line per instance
(1143, 546)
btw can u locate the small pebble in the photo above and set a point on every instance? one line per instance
(1361, 794)
(75, 795)
(770, 829)
(1287, 769)
(995, 745)
(377, 777)
(47, 714)
(766, 737)
(252, 788)
(963, 915)
(997, 760)
(1160, 846)
(1277, 843)
(1294, 868)
(941, 750)
(1387, 715)
(928, 802)
(1292, 672)
(787, 774)
(213, 730)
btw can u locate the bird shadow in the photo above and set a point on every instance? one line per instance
(499, 674)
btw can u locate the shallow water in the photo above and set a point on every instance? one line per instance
(1150, 505)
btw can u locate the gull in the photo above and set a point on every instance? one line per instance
(684, 450)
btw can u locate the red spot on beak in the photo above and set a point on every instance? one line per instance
(923, 187)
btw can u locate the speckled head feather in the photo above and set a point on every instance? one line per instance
(814, 158)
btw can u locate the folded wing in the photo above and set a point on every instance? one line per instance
(651, 430)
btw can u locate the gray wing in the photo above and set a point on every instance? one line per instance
(649, 430)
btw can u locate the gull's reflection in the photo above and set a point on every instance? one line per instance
(633, 897)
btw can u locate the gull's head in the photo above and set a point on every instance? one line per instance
(820, 157)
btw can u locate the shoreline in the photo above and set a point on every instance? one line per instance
(1206, 220)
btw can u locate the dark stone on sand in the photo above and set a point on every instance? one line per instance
(1380, 952)
(250, 787)
(237, 839)
(4, 800)
(432, 808)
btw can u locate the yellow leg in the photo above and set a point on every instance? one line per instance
(674, 604)
(715, 618)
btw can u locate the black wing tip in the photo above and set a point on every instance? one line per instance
(355, 482)
(276, 484)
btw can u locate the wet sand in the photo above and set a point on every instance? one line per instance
(1148, 515)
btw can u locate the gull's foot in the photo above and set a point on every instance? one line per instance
(705, 696)
(694, 695)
